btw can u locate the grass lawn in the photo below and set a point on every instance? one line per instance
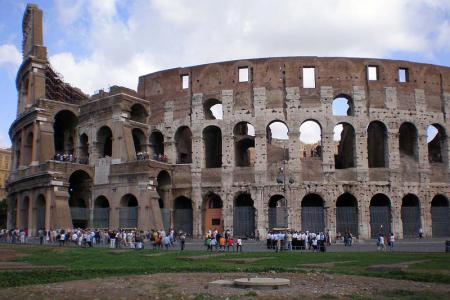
(79, 263)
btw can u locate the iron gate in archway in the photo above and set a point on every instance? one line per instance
(278, 217)
(380, 220)
(244, 221)
(411, 221)
(440, 221)
(313, 219)
(347, 220)
(182, 219)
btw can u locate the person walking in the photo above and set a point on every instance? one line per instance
(182, 240)
(391, 241)
(239, 245)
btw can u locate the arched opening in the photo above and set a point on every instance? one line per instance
(139, 143)
(347, 214)
(212, 138)
(128, 211)
(344, 149)
(278, 213)
(101, 212)
(212, 212)
(313, 217)
(310, 139)
(380, 215)
(410, 216)
(84, 149)
(408, 140)
(377, 145)
(24, 209)
(138, 113)
(437, 144)
(244, 144)
(17, 148)
(440, 216)
(244, 216)
(39, 213)
(80, 185)
(342, 106)
(64, 129)
(213, 109)
(163, 188)
(104, 141)
(277, 142)
(183, 143)
(28, 149)
(157, 145)
(182, 215)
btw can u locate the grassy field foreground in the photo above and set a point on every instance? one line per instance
(48, 264)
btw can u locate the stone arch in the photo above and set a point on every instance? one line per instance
(183, 143)
(312, 213)
(343, 105)
(138, 113)
(80, 186)
(24, 211)
(440, 216)
(183, 215)
(347, 214)
(212, 139)
(128, 211)
(380, 215)
(213, 109)
(377, 149)
(311, 139)
(437, 144)
(104, 141)
(39, 213)
(410, 213)
(64, 128)
(212, 212)
(101, 212)
(408, 141)
(244, 144)
(244, 216)
(84, 149)
(277, 141)
(28, 149)
(156, 144)
(139, 142)
(345, 146)
(278, 213)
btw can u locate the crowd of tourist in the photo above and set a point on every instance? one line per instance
(65, 157)
(143, 155)
(297, 240)
(221, 241)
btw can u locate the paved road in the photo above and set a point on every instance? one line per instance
(406, 245)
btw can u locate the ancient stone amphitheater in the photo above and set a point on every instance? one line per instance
(310, 143)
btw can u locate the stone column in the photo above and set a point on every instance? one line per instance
(364, 217)
(31, 229)
(35, 148)
(261, 211)
(48, 205)
(396, 212)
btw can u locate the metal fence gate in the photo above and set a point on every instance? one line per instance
(101, 218)
(347, 220)
(128, 217)
(440, 221)
(380, 220)
(182, 220)
(244, 221)
(40, 221)
(165, 216)
(411, 221)
(80, 216)
(313, 219)
(278, 217)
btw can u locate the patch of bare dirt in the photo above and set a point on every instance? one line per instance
(9, 255)
(190, 285)
(245, 260)
(395, 267)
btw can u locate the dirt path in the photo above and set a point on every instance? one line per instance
(195, 285)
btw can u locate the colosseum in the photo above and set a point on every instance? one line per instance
(310, 143)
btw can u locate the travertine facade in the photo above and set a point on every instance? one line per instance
(162, 157)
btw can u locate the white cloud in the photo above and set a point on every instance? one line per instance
(10, 57)
(310, 132)
(123, 41)
(4, 141)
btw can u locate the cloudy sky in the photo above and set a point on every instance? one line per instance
(96, 44)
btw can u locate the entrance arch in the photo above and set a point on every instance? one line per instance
(128, 213)
(212, 212)
(244, 216)
(440, 216)
(163, 189)
(347, 214)
(64, 128)
(278, 213)
(24, 208)
(104, 141)
(80, 184)
(101, 212)
(410, 216)
(313, 217)
(380, 215)
(182, 215)
(39, 213)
